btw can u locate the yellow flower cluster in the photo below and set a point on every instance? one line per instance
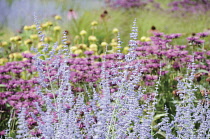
(3, 44)
(15, 56)
(79, 48)
(3, 61)
(29, 27)
(46, 25)
(15, 39)
(145, 39)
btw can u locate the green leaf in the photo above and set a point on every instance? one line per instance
(158, 116)
(161, 133)
(202, 70)
(2, 85)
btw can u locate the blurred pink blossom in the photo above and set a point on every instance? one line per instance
(71, 14)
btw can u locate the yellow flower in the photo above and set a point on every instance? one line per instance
(17, 55)
(27, 28)
(93, 47)
(17, 38)
(40, 45)
(73, 48)
(11, 56)
(115, 48)
(94, 23)
(49, 23)
(78, 51)
(3, 61)
(26, 51)
(45, 25)
(59, 47)
(33, 26)
(125, 50)
(19, 42)
(47, 39)
(57, 28)
(68, 42)
(4, 44)
(114, 40)
(147, 39)
(92, 38)
(115, 31)
(83, 46)
(104, 44)
(114, 44)
(28, 41)
(24, 59)
(143, 38)
(76, 37)
(83, 33)
(34, 36)
(12, 39)
(57, 17)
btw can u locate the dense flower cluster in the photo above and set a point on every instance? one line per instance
(192, 6)
(109, 96)
(114, 95)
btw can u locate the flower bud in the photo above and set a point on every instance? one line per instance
(92, 38)
(93, 47)
(94, 23)
(83, 33)
(115, 31)
(104, 44)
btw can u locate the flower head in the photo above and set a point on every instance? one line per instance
(57, 17)
(83, 33)
(72, 14)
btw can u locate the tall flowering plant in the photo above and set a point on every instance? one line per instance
(98, 114)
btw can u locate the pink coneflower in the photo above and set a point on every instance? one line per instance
(71, 14)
